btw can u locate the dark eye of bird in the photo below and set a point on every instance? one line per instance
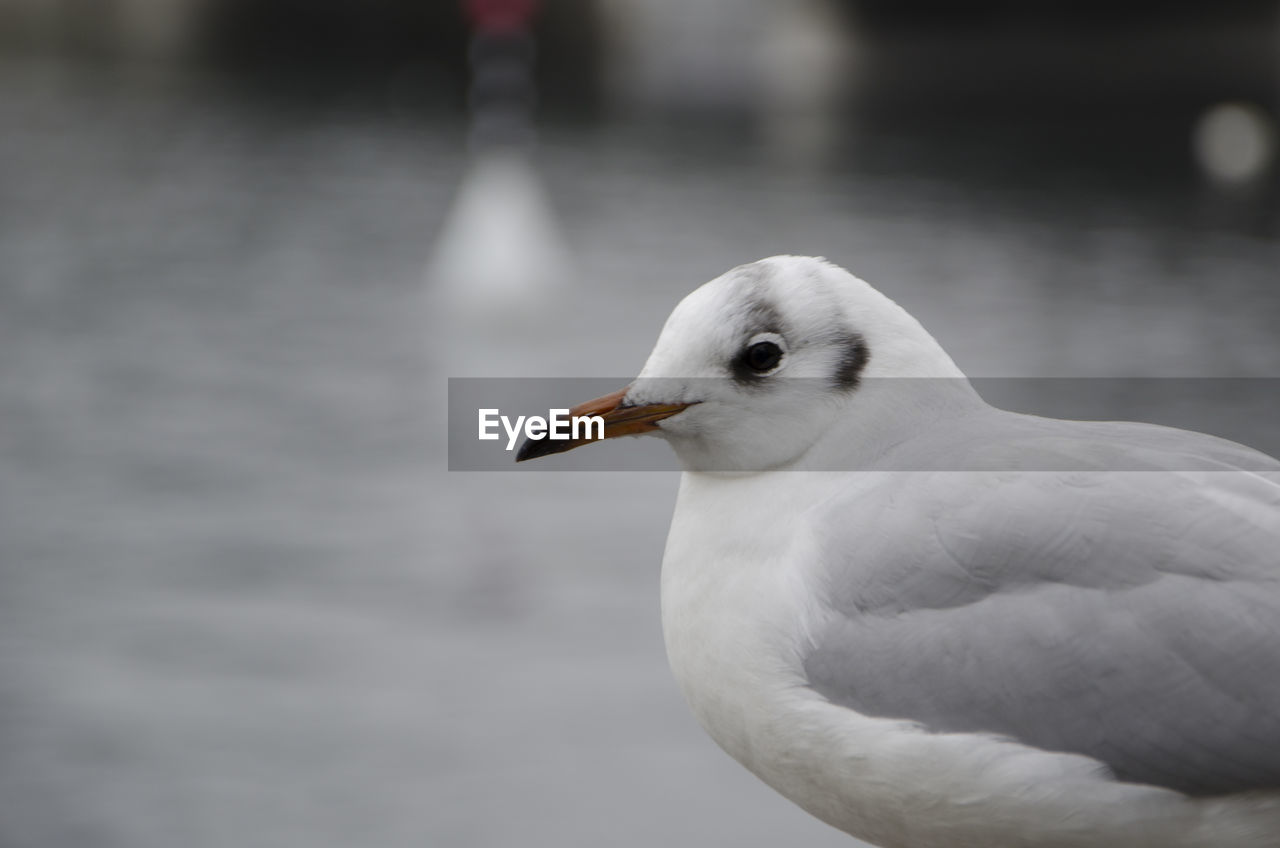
(763, 356)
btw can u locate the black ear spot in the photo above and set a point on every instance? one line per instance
(854, 355)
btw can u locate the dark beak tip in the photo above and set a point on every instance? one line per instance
(526, 450)
(534, 448)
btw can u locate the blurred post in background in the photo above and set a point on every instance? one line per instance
(500, 256)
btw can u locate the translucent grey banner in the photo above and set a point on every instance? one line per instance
(489, 419)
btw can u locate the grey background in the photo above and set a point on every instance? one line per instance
(243, 602)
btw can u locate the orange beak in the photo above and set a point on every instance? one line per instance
(618, 421)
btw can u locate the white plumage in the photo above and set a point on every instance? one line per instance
(934, 623)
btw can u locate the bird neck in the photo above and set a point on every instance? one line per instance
(885, 412)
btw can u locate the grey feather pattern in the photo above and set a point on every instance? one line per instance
(1130, 617)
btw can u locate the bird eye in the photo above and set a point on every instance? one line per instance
(763, 356)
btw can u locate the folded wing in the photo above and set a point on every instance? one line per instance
(1133, 617)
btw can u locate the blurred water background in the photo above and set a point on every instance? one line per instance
(242, 602)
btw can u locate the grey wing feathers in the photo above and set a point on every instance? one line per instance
(1133, 618)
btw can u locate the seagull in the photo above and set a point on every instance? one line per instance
(932, 623)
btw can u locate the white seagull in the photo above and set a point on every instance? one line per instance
(930, 622)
